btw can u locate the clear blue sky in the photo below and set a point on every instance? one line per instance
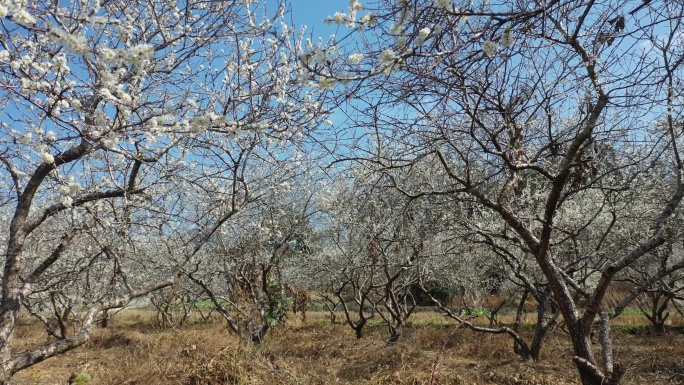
(312, 13)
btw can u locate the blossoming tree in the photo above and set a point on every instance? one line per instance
(245, 272)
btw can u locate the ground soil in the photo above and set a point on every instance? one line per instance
(132, 350)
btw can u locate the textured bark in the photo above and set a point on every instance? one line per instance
(518, 348)
(395, 333)
(258, 336)
(539, 333)
(358, 328)
(12, 295)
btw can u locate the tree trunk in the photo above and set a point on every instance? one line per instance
(659, 312)
(582, 349)
(358, 328)
(519, 314)
(11, 305)
(104, 322)
(543, 324)
(395, 333)
(257, 336)
(588, 371)
(537, 343)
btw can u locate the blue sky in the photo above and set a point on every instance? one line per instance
(312, 13)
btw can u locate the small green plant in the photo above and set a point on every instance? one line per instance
(276, 306)
(376, 322)
(476, 312)
(79, 379)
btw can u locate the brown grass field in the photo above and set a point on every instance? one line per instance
(432, 351)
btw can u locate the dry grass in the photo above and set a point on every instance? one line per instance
(132, 351)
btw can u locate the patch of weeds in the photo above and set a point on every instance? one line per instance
(36, 379)
(476, 312)
(79, 379)
(637, 329)
(631, 312)
(226, 368)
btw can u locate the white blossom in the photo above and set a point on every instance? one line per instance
(110, 141)
(489, 48)
(67, 201)
(26, 138)
(326, 83)
(423, 34)
(73, 42)
(369, 19)
(397, 29)
(47, 158)
(109, 55)
(126, 98)
(387, 57)
(340, 17)
(140, 52)
(106, 94)
(355, 58)
(59, 64)
(22, 16)
(74, 187)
